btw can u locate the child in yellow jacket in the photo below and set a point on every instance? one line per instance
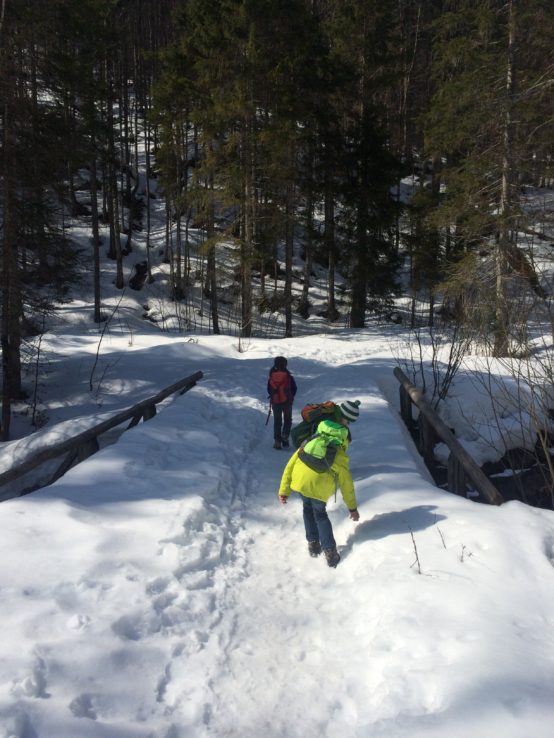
(315, 471)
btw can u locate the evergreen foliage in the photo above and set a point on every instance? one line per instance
(270, 125)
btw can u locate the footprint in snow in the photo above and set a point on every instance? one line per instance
(33, 685)
(78, 622)
(82, 707)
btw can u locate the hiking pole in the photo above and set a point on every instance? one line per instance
(268, 414)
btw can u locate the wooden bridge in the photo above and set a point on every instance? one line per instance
(461, 467)
(80, 447)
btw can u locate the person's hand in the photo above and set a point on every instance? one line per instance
(283, 499)
(354, 515)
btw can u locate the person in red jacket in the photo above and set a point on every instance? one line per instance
(281, 389)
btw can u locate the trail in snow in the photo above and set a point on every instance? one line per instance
(160, 591)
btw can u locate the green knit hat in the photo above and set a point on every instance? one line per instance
(349, 410)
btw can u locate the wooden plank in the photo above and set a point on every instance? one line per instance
(456, 476)
(471, 468)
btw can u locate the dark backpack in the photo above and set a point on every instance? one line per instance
(300, 433)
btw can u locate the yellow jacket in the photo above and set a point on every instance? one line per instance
(298, 477)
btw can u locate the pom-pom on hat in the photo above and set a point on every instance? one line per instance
(349, 410)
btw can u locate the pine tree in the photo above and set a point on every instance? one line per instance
(369, 166)
(249, 70)
(480, 69)
(35, 254)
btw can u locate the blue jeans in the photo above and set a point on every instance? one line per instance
(316, 522)
(282, 420)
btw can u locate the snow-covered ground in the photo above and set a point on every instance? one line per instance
(159, 590)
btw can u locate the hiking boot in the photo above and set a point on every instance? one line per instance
(277, 444)
(314, 548)
(332, 556)
(285, 442)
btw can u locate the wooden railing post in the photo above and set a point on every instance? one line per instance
(65, 465)
(406, 408)
(427, 438)
(86, 449)
(149, 412)
(135, 420)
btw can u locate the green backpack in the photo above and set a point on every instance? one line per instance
(320, 450)
(312, 415)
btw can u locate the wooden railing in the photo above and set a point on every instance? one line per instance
(85, 444)
(461, 466)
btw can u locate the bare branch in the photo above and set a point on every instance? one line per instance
(416, 554)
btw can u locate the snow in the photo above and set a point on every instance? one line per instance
(159, 589)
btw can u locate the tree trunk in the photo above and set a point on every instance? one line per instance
(95, 237)
(361, 256)
(10, 337)
(247, 245)
(502, 326)
(289, 240)
(114, 228)
(147, 184)
(329, 241)
(304, 299)
(211, 276)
